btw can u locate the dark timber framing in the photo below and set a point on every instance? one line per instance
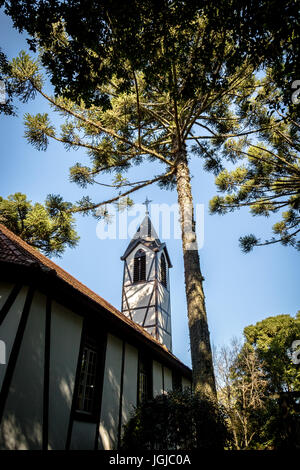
(156, 299)
(76, 384)
(15, 351)
(86, 307)
(46, 373)
(48, 279)
(101, 339)
(148, 307)
(128, 271)
(9, 301)
(159, 328)
(101, 370)
(121, 394)
(150, 270)
(148, 361)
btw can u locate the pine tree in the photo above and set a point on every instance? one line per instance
(48, 227)
(137, 83)
(6, 94)
(267, 178)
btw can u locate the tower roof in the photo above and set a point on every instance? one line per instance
(147, 236)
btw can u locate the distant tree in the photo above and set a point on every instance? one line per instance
(252, 380)
(49, 227)
(267, 179)
(272, 339)
(241, 385)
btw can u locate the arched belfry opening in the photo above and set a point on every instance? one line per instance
(146, 292)
(139, 266)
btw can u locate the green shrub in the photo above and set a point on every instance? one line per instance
(178, 420)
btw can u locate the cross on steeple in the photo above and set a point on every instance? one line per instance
(146, 203)
(146, 285)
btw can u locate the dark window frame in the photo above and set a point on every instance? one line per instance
(145, 381)
(91, 344)
(176, 381)
(163, 270)
(139, 267)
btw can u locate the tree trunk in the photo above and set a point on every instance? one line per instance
(202, 364)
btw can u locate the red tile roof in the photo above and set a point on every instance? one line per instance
(16, 251)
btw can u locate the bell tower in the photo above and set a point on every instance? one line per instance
(146, 284)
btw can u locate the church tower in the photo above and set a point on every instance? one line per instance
(146, 285)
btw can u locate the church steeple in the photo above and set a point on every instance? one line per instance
(146, 285)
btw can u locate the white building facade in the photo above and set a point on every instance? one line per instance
(74, 365)
(146, 283)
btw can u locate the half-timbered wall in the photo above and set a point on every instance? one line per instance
(162, 379)
(148, 302)
(22, 419)
(66, 329)
(40, 378)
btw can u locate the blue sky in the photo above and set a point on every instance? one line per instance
(239, 289)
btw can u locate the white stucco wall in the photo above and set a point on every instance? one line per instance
(167, 380)
(129, 396)
(22, 423)
(157, 379)
(109, 423)
(66, 329)
(139, 295)
(163, 297)
(10, 324)
(5, 290)
(83, 436)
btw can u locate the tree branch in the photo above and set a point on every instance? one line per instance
(126, 193)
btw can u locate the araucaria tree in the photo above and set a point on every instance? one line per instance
(140, 82)
(48, 227)
(267, 179)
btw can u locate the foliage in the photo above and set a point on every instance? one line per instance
(139, 82)
(149, 116)
(161, 62)
(241, 388)
(268, 179)
(179, 421)
(143, 123)
(49, 227)
(272, 340)
(255, 379)
(6, 93)
(149, 35)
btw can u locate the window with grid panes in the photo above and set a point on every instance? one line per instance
(88, 376)
(144, 381)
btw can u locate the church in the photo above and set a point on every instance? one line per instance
(73, 366)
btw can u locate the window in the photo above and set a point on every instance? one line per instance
(163, 270)
(88, 377)
(144, 380)
(139, 267)
(176, 381)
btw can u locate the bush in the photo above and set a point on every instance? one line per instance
(178, 420)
